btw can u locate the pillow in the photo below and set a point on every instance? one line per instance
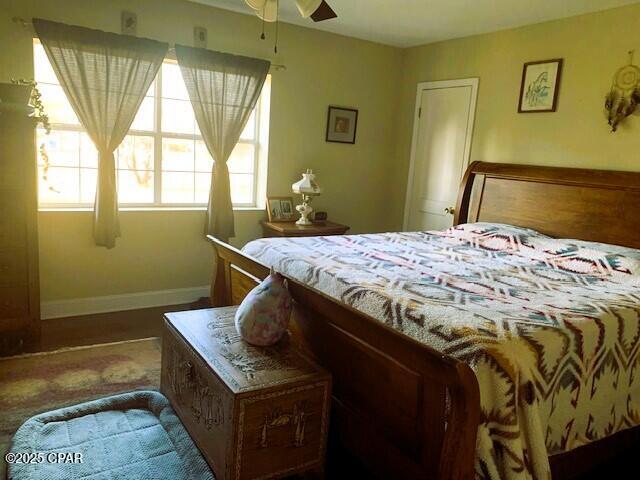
(263, 316)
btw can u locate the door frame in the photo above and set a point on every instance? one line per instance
(463, 82)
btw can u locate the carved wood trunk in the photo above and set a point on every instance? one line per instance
(253, 412)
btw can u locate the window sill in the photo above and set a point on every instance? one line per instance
(145, 209)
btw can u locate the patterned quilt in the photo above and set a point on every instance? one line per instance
(550, 327)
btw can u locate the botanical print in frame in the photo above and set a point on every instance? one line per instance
(341, 125)
(280, 209)
(539, 88)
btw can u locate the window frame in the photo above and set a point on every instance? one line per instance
(259, 143)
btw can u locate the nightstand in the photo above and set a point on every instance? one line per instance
(254, 412)
(290, 229)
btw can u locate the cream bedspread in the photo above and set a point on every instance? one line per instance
(550, 327)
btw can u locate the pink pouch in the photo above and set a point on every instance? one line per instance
(263, 316)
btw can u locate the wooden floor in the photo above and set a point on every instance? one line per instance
(106, 327)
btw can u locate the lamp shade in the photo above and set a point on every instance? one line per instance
(307, 185)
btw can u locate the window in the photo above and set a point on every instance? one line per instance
(162, 162)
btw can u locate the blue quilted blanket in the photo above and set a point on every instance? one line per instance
(130, 436)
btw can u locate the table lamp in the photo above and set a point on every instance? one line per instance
(308, 188)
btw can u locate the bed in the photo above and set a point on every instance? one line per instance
(483, 349)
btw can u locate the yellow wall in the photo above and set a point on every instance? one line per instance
(593, 46)
(166, 250)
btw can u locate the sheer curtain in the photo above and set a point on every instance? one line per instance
(105, 77)
(223, 90)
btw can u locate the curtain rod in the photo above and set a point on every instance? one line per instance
(29, 25)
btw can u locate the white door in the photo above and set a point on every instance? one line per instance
(440, 152)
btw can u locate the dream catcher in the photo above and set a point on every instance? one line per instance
(624, 97)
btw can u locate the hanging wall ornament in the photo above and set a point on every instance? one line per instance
(624, 97)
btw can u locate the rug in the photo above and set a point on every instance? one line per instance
(130, 436)
(36, 383)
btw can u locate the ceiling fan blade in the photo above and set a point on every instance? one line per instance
(255, 4)
(324, 12)
(266, 10)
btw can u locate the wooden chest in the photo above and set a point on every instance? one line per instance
(253, 412)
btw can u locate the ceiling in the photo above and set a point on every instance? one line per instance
(405, 23)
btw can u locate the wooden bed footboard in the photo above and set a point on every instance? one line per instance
(404, 409)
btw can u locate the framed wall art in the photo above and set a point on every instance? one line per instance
(341, 125)
(539, 88)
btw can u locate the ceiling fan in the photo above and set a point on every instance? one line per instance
(318, 10)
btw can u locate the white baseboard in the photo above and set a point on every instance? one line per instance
(117, 303)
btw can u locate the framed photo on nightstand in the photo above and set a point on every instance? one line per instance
(280, 209)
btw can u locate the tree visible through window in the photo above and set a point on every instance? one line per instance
(163, 160)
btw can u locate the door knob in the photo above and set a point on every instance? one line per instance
(450, 210)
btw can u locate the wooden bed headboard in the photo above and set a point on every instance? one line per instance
(594, 205)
